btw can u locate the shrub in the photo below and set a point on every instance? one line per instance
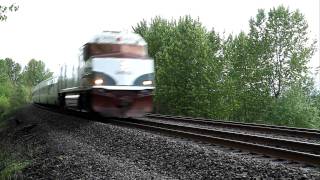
(4, 105)
(294, 108)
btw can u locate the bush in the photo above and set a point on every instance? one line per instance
(4, 105)
(294, 108)
(19, 97)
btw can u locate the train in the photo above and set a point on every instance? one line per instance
(114, 76)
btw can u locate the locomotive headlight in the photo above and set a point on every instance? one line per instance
(98, 81)
(148, 82)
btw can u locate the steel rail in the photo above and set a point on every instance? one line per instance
(289, 131)
(276, 152)
(276, 142)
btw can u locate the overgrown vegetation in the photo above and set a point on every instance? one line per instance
(16, 84)
(15, 91)
(10, 167)
(259, 76)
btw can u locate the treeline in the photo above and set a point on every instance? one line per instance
(259, 76)
(16, 83)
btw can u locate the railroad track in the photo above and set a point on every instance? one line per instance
(261, 128)
(308, 153)
(303, 152)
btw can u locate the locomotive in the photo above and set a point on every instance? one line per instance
(114, 77)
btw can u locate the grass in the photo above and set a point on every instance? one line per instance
(10, 166)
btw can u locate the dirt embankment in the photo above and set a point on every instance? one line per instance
(57, 146)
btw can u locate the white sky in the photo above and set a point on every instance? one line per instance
(53, 30)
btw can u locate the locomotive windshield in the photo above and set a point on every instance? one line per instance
(114, 50)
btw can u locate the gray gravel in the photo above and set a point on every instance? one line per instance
(65, 147)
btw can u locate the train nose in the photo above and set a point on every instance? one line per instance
(125, 101)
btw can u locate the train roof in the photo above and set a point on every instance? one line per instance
(118, 37)
(46, 82)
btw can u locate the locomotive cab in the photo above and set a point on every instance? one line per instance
(119, 74)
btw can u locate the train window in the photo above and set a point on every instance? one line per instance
(134, 49)
(114, 50)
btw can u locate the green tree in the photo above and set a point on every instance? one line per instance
(5, 9)
(282, 40)
(246, 91)
(15, 86)
(35, 72)
(20, 96)
(184, 57)
(4, 105)
(157, 34)
(294, 108)
(248, 77)
(10, 69)
(6, 86)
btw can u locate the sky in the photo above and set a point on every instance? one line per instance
(53, 31)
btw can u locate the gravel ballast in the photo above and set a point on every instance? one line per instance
(66, 147)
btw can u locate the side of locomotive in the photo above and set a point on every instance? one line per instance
(114, 77)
